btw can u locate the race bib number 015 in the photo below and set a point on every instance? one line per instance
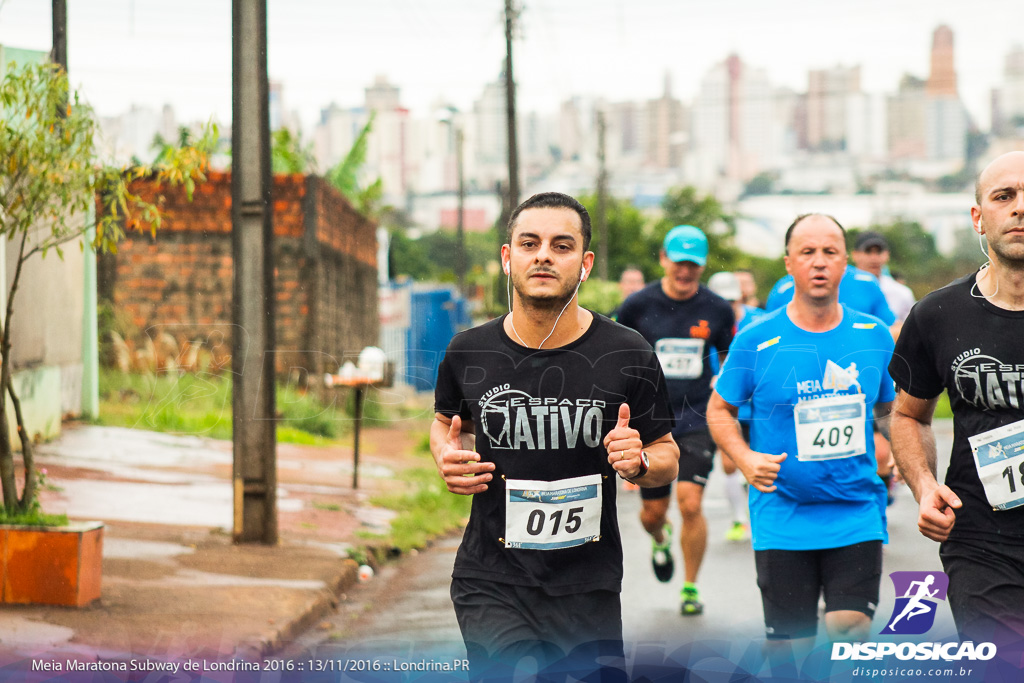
(680, 358)
(830, 427)
(999, 457)
(550, 515)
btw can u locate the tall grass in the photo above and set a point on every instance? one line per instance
(200, 404)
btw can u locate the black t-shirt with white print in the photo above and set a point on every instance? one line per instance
(541, 416)
(955, 340)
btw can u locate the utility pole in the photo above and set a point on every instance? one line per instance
(60, 33)
(602, 193)
(254, 468)
(511, 14)
(460, 225)
(90, 333)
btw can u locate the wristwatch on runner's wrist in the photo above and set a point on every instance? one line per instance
(645, 464)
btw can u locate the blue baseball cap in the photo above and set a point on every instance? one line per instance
(686, 243)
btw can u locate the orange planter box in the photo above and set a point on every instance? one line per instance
(52, 565)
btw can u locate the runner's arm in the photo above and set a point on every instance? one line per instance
(664, 456)
(451, 443)
(759, 469)
(883, 419)
(913, 446)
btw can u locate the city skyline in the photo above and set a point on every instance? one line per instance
(125, 52)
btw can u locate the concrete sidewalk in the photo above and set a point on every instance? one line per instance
(174, 585)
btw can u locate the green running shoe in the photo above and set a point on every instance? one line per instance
(738, 532)
(661, 556)
(691, 605)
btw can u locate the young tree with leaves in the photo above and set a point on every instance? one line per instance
(49, 176)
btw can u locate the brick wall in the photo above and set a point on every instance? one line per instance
(325, 272)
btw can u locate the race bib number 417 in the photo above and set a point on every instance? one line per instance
(550, 515)
(680, 358)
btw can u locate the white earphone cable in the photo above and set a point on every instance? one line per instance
(984, 267)
(511, 316)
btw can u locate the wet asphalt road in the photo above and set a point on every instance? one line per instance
(405, 612)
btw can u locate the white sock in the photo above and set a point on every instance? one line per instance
(737, 496)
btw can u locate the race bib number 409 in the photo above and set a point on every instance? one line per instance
(550, 515)
(999, 457)
(830, 427)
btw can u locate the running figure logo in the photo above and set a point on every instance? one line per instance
(914, 612)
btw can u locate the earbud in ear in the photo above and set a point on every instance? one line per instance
(583, 272)
(506, 267)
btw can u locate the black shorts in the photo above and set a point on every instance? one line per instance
(791, 581)
(986, 589)
(504, 624)
(696, 458)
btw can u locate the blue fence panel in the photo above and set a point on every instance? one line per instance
(436, 316)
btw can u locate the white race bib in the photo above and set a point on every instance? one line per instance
(550, 515)
(830, 427)
(681, 358)
(999, 457)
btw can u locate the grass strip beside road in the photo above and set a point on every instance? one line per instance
(426, 511)
(200, 405)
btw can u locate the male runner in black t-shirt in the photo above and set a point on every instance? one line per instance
(557, 401)
(966, 339)
(686, 323)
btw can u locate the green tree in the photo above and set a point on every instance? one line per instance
(408, 257)
(164, 147)
(628, 230)
(914, 255)
(288, 153)
(344, 176)
(49, 176)
(762, 183)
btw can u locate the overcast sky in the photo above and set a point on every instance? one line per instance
(155, 51)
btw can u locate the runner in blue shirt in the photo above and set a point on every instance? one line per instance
(814, 371)
(859, 289)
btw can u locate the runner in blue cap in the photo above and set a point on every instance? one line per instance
(684, 322)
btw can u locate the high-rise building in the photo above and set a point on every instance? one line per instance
(1012, 96)
(627, 134)
(828, 94)
(571, 128)
(335, 134)
(490, 112)
(736, 129)
(927, 120)
(275, 104)
(667, 138)
(906, 113)
(946, 128)
(946, 118)
(382, 95)
(387, 154)
(942, 76)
